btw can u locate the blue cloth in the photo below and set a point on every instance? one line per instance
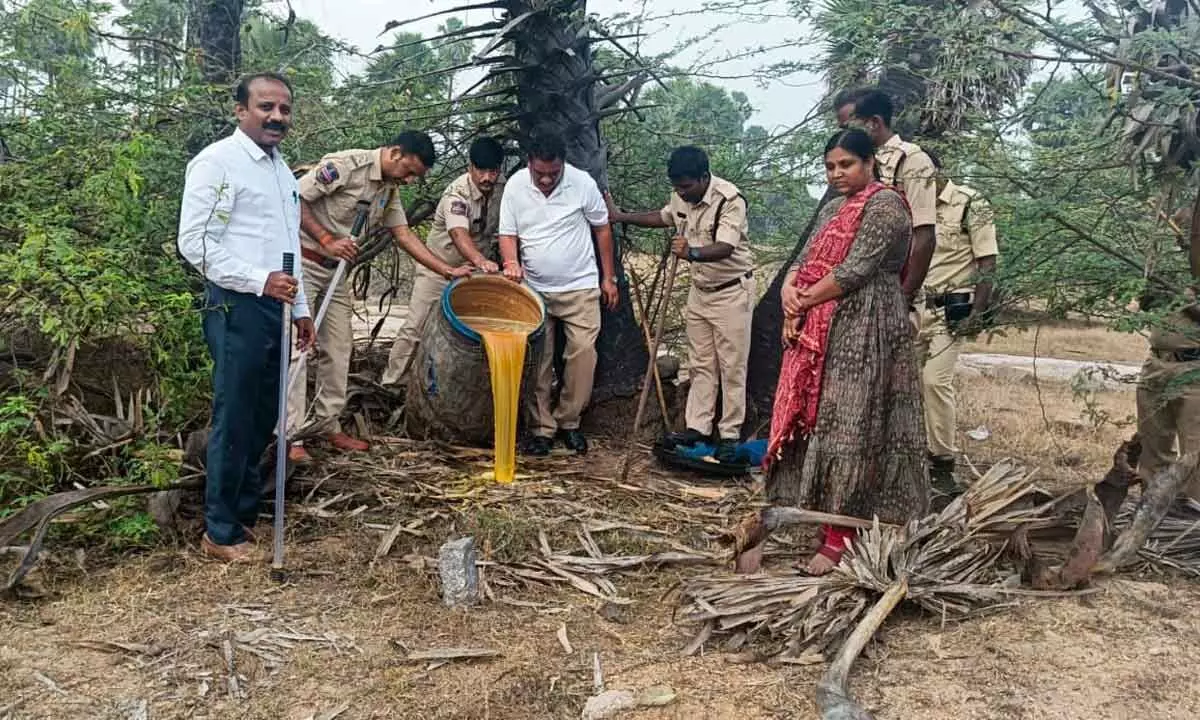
(750, 453)
(753, 451)
(242, 332)
(699, 451)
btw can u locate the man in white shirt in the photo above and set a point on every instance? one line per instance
(548, 213)
(240, 213)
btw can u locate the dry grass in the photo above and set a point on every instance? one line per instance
(1069, 438)
(1052, 659)
(1068, 341)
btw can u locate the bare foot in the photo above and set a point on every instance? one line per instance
(822, 563)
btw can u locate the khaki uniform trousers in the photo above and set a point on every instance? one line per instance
(1168, 410)
(937, 353)
(335, 340)
(578, 311)
(426, 294)
(718, 333)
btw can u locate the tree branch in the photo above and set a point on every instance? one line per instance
(1096, 53)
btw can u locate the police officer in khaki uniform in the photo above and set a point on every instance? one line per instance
(1168, 395)
(464, 226)
(956, 295)
(329, 196)
(708, 215)
(903, 165)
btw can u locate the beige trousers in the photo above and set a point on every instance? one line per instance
(426, 294)
(1168, 409)
(331, 361)
(578, 311)
(718, 333)
(937, 353)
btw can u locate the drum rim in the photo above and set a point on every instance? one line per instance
(466, 331)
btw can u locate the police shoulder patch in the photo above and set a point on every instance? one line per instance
(458, 207)
(327, 174)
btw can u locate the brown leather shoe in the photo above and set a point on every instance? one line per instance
(297, 455)
(239, 553)
(345, 443)
(256, 536)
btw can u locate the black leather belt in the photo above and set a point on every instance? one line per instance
(727, 284)
(1189, 355)
(318, 258)
(933, 302)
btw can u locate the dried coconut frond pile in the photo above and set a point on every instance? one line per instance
(949, 561)
(1175, 543)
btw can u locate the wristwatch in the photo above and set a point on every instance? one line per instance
(692, 255)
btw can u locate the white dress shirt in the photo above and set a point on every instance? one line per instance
(554, 233)
(240, 214)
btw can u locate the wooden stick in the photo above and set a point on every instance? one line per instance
(833, 695)
(652, 300)
(1158, 492)
(641, 407)
(645, 323)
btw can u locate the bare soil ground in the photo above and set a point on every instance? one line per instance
(159, 635)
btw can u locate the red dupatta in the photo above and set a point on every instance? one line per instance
(798, 392)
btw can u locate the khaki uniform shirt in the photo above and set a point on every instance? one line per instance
(463, 205)
(905, 165)
(701, 226)
(961, 241)
(333, 187)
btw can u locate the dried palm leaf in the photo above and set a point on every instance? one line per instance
(1174, 543)
(949, 561)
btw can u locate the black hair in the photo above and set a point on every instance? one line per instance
(856, 142)
(687, 161)
(933, 158)
(852, 140)
(874, 103)
(415, 142)
(241, 91)
(850, 96)
(486, 153)
(547, 147)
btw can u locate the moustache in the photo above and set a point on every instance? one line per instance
(276, 126)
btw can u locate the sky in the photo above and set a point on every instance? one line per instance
(778, 104)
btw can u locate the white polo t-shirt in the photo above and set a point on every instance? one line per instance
(554, 233)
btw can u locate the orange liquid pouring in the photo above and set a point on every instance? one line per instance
(504, 342)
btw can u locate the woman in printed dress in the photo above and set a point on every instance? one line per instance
(847, 431)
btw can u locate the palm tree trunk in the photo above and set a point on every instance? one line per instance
(214, 37)
(555, 93)
(213, 40)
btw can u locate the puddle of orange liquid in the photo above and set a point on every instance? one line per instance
(504, 342)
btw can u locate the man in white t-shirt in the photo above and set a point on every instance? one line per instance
(548, 213)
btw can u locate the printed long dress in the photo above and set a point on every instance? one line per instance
(866, 456)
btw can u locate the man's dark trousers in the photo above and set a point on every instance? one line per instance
(242, 332)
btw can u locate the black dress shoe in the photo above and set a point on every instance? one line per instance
(539, 446)
(687, 438)
(941, 476)
(574, 440)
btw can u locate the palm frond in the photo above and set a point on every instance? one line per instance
(950, 562)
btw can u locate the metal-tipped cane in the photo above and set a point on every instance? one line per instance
(281, 443)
